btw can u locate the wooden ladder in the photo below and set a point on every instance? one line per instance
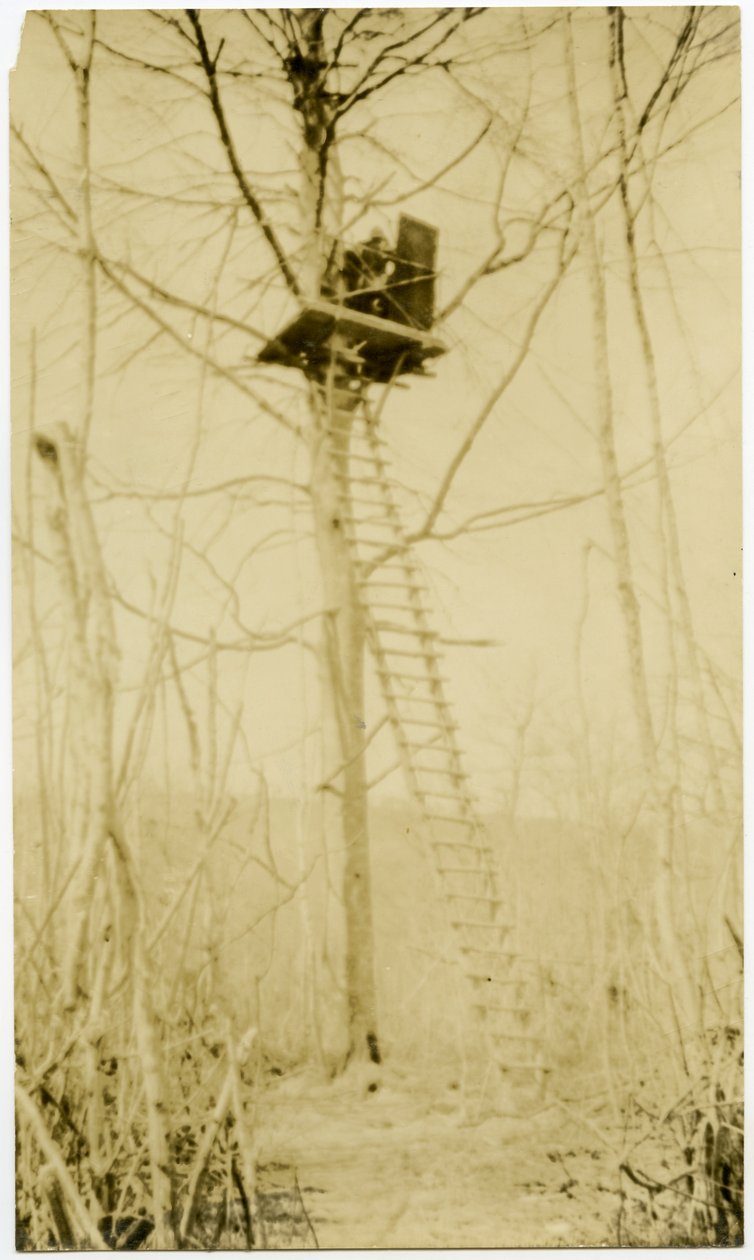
(408, 661)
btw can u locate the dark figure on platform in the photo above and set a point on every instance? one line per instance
(366, 269)
(393, 282)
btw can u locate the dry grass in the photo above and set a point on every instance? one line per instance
(229, 1004)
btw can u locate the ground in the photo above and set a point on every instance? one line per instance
(419, 1164)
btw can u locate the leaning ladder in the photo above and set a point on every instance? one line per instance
(408, 662)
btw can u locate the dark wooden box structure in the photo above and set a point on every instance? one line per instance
(388, 344)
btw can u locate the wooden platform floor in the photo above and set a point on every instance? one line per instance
(386, 347)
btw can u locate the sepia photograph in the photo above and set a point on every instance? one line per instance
(376, 532)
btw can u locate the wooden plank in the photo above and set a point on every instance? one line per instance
(306, 340)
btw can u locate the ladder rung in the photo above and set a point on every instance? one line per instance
(388, 627)
(423, 656)
(471, 822)
(402, 569)
(435, 748)
(407, 697)
(436, 701)
(492, 899)
(446, 796)
(479, 896)
(404, 578)
(432, 679)
(435, 726)
(411, 607)
(478, 847)
(452, 774)
(407, 608)
(457, 844)
(411, 584)
(464, 870)
(512, 1036)
(447, 749)
(426, 639)
(412, 590)
(499, 927)
(349, 454)
(498, 1006)
(365, 458)
(420, 678)
(523, 1067)
(419, 612)
(470, 896)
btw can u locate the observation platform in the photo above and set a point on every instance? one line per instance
(384, 348)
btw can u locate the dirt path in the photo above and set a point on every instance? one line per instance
(411, 1166)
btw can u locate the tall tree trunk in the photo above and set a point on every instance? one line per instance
(343, 651)
(343, 645)
(670, 536)
(321, 180)
(661, 794)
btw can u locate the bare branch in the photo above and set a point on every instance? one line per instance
(209, 65)
(185, 345)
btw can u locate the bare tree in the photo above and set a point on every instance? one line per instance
(194, 192)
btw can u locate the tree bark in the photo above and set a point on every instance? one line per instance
(343, 651)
